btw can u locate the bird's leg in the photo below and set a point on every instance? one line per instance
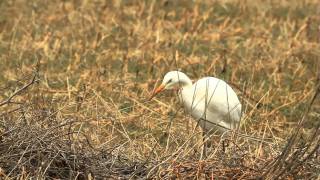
(204, 150)
(225, 144)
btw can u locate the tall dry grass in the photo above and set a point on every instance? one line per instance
(93, 64)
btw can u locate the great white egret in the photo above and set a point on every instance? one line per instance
(210, 101)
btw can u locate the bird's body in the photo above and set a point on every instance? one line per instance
(213, 102)
(210, 101)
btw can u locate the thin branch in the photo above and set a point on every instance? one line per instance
(17, 92)
(281, 159)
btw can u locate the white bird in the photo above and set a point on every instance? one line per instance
(211, 101)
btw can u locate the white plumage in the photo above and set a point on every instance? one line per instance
(210, 100)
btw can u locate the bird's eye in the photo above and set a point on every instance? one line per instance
(170, 80)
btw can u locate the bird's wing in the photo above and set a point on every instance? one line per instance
(217, 97)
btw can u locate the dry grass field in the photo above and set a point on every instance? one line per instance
(75, 77)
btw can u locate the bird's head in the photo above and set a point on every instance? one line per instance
(173, 79)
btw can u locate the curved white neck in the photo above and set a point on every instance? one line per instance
(185, 81)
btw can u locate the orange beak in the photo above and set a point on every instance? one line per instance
(157, 91)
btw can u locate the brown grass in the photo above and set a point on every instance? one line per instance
(86, 115)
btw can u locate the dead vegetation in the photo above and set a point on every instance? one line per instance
(75, 78)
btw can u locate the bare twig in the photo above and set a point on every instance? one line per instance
(278, 163)
(17, 92)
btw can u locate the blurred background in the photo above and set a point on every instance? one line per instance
(94, 64)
